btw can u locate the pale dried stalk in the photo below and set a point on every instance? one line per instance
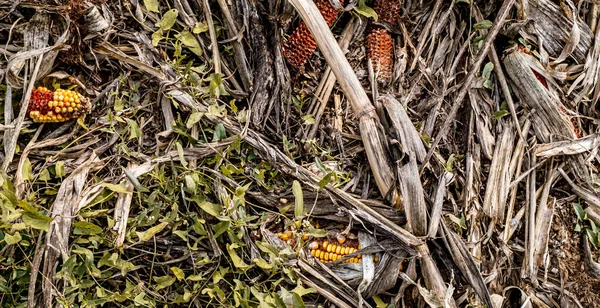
(556, 29)
(568, 147)
(371, 135)
(64, 209)
(413, 197)
(527, 269)
(438, 202)
(499, 22)
(590, 197)
(515, 168)
(328, 82)
(549, 121)
(404, 128)
(464, 261)
(241, 62)
(498, 182)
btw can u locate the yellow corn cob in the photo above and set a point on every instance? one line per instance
(59, 106)
(328, 252)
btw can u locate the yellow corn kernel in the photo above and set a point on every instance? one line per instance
(325, 244)
(346, 250)
(341, 238)
(338, 250)
(330, 248)
(326, 257)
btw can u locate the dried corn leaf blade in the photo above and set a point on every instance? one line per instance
(404, 128)
(568, 147)
(549, 118)
(555, 30)
(57, 239)
(464, 261)
(413, 197)
(499, 180)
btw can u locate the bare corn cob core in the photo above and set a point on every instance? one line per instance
(380, 50)
(59, 106)
(301, 44)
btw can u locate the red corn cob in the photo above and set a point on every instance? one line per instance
(388, 11)
(59, 106)
(301, 44)
(380, 50)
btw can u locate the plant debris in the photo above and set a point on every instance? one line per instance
(300, 153)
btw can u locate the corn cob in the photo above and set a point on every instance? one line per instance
(59, 106)
(388, 11)
(301, 44)
(380, 50)
(329, 252)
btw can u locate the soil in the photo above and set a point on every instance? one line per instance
(566, 255)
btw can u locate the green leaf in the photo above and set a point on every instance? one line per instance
(189, 40)
(579, 210)
(211, 208)
(151, 5)
(59, 169)
(301, 291)
(26, 172)
(157, 37)
(163, 281)
(500, 113)
(482, 25)
(309, 119)
(168, 19)
(86, 228)
(12, 239)
(148, 234)
(134, 129)
(197, 277)
(461, 222)
(325, 180)
(120, 188)
(235, 258)
(262, 263)
(193, 119)
(39, 221)
(181, 156)
(219, 133)
(314, 232)
(200, 27)
(366, 11)
(178, 273)
(297, 190)
(44, 175)
(487, 70)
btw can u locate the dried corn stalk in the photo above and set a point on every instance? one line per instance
(549, 117)
(301, 44)
(559, 34)
(496, 192)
